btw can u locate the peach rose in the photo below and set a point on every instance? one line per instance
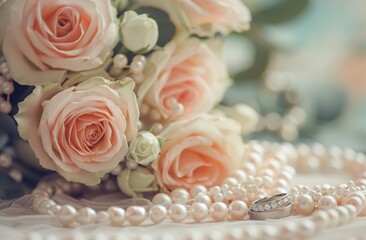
(205, 17)
(45, 39)
(201, 151)
(184, 79)
(80, 132)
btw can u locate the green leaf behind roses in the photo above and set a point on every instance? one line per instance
(284, 11)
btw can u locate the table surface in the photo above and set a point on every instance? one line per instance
(20, 222)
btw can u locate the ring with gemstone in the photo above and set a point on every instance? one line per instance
(275, 206)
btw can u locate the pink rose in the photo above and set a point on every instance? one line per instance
(205, 17)
(80, 132)
(45, 39)
(201, 151)
(185, 79)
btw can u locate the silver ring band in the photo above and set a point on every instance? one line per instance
(270, 203)
(275, 214)
(275, 206)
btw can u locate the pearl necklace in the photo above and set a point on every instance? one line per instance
(267, 169)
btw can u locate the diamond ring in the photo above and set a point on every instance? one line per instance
(275, 206)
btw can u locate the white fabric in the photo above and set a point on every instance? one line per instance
(18, 221)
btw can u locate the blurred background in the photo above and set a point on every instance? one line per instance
(303, 67)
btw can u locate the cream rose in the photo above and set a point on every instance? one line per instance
(45, 39)
(80, 132)
(137, 181)
(144, 148)
(205, 17)
(201, 151)
(139, 32)
(187, 78)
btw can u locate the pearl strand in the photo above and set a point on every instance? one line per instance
(6, 87)
(135, 69)
(336, 205)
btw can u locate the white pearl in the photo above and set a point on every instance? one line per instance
(321, 219)
(249, 168)
(67, 215)
(102, 217)
(218, 211)
(218, 197)
(214, 190)
(5, 107)
(269, 232)
(196, 190)
(180, 195)
(86, 215)
(114, 72)
(157, 213)
(54, 209)
(282, 183)
(178, 109)
(240, 175)
(162, 199)
(116, 216)
(44, 206)
(177, 213)
(268, 182)
(327, 202)
(199, 211)
(239, 194)
(306, 228)
(157, 128)
(235, 234)
(355, 201)
(131, 164)
(251, 233)
(288, 230)
(304, 204)
(135, 215)
(7, 87)
(238, 210)
(344, 215)
(228, 195)
(255, 158)
(203, 198)
(120, 61)
(352, 211)
(230, 181)
(136, 67)
(333, 217)
(140, 58)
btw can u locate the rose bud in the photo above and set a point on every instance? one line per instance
(139, 32)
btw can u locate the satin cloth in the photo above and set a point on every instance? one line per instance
(19, 221)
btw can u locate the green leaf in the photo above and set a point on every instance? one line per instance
(260, 63)
(285, 11)
(161, 141)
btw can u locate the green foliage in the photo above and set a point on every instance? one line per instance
(284, 11)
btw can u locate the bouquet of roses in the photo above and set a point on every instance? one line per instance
(126, 88)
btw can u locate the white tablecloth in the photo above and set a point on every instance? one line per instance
(20, 222)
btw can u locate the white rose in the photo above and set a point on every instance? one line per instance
(144, 148)
(139, 32)
(135, 182)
